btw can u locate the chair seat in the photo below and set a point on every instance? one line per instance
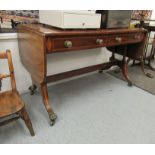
(10, 102)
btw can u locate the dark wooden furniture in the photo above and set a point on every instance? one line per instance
(12, 106)
(37, 41)
(150, 28)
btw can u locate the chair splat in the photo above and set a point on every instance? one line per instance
(11, 102)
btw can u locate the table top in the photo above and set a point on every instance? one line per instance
(52, 31)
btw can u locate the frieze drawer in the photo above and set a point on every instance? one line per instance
(68, 44)
(78, 43)
(125, 39)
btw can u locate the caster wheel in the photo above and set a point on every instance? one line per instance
(32, 89)
(149, 75)
(52, 123)
(130, 84)
(32, 93)
(101, 71)
(53, 118)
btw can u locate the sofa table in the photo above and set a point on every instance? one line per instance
(36, 41)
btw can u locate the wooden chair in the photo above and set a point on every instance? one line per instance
(12, 106)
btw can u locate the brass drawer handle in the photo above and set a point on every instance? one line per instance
(118, 39)
(99, 41)
(68, 44)
(136, 36)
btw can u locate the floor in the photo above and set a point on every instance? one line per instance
(98, 108)
(138, 78)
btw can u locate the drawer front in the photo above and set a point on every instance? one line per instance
(68, 44)
(79, 43)
(125, 39)
(81, 21)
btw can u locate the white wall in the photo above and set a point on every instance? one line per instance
(59, 62)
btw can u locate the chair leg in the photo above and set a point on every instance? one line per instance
(25, 117)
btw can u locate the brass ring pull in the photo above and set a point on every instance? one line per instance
(68, 44)
(118, 39)
(99, 41)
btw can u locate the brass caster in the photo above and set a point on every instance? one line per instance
(52, 123)
(149, 75)
(130, 84)
(100, 71)
(32, 89)
(53, 118)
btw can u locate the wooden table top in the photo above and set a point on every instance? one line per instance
(52, 31)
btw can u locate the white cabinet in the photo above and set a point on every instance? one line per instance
(70, 19)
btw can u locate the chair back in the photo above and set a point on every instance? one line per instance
(7, 55)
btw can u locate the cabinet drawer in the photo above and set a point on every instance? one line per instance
(125, 39)
(72, 20)
(85, 42)
(77, 43)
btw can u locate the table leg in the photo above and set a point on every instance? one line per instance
(44, 93)
(124, 67)
(113, 59)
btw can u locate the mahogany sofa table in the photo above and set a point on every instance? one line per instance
(36, 41)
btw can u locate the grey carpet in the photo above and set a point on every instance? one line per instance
(138, 78)
(98, 108)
